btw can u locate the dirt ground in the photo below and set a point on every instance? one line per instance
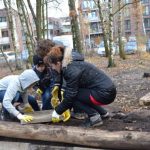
(126, 112)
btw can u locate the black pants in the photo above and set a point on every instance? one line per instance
(83, 102)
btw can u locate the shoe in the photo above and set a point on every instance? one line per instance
(5, 116)
(80, 116)
(105, 116)
(93, 121)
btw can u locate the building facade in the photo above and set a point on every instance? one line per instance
(92, 30)
(5, 34)
(135, 19)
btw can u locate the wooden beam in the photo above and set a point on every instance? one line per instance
(39, 117)
(88, 137)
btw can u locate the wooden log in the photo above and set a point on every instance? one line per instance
(39, 117)
(95, 138)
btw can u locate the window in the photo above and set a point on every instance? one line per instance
(127, 12)
(147, 22)
(127, 1)
(2, 19)
(6, 46)
(145, 1)
(127, 25)
(4, 33)
(146, 10)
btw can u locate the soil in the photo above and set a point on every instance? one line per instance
(126, 113)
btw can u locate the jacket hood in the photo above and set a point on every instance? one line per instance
(70, 55)
(27, 78)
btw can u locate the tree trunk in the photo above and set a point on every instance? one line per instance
(47, 18)
(103, 28)
(11, 27)
(26, 29)
(111, 62)
(74, 27)
(119, 140)
(43, 19)
(121, 44)
(38, 19)
(6, 60)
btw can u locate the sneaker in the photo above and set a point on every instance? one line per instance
(4, 116)
(93, 121)
(80, 116)
(106, 116)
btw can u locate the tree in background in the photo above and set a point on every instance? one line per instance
(7, 5)
(75, 27)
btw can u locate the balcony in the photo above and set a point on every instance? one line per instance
(3, 25)
(4, 40)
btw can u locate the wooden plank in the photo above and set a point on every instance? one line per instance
(40, 117)
(88, 137)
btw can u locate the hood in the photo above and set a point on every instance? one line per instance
(27, 78)
(70, 55)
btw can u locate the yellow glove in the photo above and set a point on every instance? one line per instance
(25, 118)
(66, 115)
(55, 99)
(38, 91)
(55, 117)
(25, 108)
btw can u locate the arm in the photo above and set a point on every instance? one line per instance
(72, 77)
(8, 98)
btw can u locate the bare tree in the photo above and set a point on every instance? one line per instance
(103, 26)
(74, 26)
(111, 62)
(26, 28)
(7, 5)
(121, 44)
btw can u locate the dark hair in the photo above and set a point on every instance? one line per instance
(43, 47)
(37, 60)
(55, 55)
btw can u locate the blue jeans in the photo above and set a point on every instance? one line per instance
(46, 99)
(32, 101)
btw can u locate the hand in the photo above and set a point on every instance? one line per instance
(66, 115)
(55, 99)
(25, 118)
(55, 117)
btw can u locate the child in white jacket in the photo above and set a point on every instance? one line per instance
(13, 88)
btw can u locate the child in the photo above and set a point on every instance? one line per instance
(87, 87)
(44, 86)
(13, 88)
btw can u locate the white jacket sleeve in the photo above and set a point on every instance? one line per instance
(8, 97)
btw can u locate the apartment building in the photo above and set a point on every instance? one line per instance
(5, 34)
(90, 18)
(135, 19)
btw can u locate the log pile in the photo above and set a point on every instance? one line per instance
(130, 140)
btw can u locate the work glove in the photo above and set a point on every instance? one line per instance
(25, 108)
(39, 91)
(55, 117)
(25, 118)
(66, 115)
(38, 94)
(55, 99)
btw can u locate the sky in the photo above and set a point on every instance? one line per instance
(53, 11)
